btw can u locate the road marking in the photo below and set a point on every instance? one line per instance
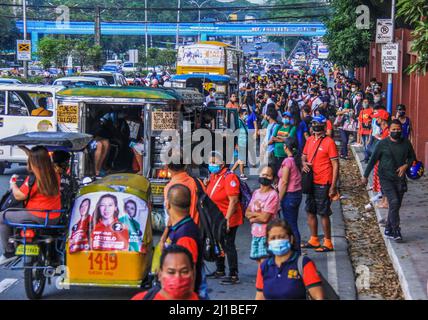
(6, 284)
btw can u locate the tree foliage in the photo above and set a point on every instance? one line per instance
(415, 12)
(54, 51)
(348, 45)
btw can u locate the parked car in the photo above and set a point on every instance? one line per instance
(113, 79)
(80, 81)
(111, 68)
(9, 80)
(130, 67)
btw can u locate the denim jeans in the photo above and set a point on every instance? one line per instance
(290, 211)
(365, 139)
(344, 138)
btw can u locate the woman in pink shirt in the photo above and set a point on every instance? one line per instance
(290, 187)
(262, 208)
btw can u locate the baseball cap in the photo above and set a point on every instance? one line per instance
(287, 114)
(382, 114)
(319, 119)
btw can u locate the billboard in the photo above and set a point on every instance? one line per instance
(201, 55)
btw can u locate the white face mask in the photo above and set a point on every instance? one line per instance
(353, 89)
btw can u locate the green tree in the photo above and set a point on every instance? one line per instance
(415, 12)
(348, 45)
(95, 56)
(47, 51)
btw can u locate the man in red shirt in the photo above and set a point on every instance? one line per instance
(176, 277)
(320, 154)
(365, 126)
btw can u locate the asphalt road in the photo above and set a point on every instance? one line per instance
(269, 50)
(335, 266)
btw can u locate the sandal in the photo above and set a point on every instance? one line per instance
(324, 249)
(307, 245)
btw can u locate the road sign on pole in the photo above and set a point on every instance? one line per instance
(390, 58)
(384, 30)
(23, 48)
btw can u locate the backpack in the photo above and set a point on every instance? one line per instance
(212, 225)
(329, 293)
(9, 201)
(245, 192)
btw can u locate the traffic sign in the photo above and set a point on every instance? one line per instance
(23, 49)
(390, 58)
(384, 31)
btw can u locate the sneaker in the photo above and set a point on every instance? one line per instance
(243, 177)
(376, 198)
(397, 235)
(216, 275)
(388, 233)
(7, 257)
(231, 280)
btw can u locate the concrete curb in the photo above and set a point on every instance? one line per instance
(411, 287)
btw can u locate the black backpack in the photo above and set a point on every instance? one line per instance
(152, 292)
(9, 201)
(212, 225)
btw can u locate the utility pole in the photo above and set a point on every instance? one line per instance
(24, 13)
(390, 84)
(178, 25)
(146, 40)
(97, 26)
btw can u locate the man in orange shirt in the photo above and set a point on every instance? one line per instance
(320, 154)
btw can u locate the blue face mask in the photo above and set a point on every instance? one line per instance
(279, 247)
(214, 168)
(286, 121)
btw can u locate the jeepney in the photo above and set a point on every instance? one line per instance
(17, 101)
(223, 85)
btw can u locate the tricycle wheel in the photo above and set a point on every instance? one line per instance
(34, 278)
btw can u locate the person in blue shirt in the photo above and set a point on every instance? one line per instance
(278, 277)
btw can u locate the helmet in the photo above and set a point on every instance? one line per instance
(416, 170)
(320, 120)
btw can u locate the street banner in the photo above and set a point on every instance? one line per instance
(384, 31)
(108, 221)
(390, 58)
(23, 49)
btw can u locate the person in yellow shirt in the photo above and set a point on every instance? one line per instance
(41, 111)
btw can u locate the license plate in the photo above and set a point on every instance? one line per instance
(30, 250)
(157, 189)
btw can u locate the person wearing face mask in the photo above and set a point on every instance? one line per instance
(382, 117)
(241, 147)
(290, 186)
(270, 130)
(405, 120)
(262, 208)
(176, 277)
(347, 121)
(320, 153)
(278, 277)
(395, 155)
(303, 128)
(365, 126)
(183, 230)
(223, 188)
(282, 132)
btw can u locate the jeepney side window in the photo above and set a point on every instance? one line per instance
(2, 102)
(17, 106)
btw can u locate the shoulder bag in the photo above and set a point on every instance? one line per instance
(308, 177)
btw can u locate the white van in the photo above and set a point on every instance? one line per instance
(17, 101)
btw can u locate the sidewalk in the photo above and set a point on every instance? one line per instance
(409, 258)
